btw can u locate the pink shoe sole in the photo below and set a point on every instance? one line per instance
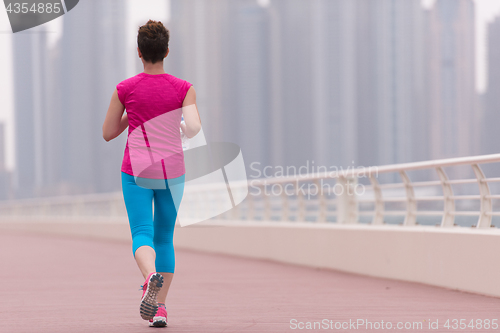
(149, 305)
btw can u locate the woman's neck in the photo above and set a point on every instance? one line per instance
(156, 68)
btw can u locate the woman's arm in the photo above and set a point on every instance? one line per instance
(191, 116)
(116, 122)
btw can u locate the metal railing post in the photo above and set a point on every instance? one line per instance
(267, 204)
(347, 205)
(209, 199)
(236, 212)
(321, 202)
(301, 206)
(78, 207)
(448, 219)
(378, 216)
(251, 206)
(286, 207)
(411, 204)
(484, 220)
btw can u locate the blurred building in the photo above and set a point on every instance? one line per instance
(198, 37)
(222, 47)
(390, 63)
(270, 76)
(490, 143)
(296, 114)
(30, 98)
(334, 79)
(316, 41)
(5, 187)
(390, 83)
(61, 97)
(331, 81)
(452, 98)
(92, 63)
(324, 82)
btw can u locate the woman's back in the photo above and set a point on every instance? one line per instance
(154, 108)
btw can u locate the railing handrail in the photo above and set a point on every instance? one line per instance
(64, 198)
(480, 159)
(207, 196)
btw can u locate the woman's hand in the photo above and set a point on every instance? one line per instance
(116, 122)
(191, 116)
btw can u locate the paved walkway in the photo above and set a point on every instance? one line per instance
(61, 284)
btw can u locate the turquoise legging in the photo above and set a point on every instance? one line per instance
(157, 232)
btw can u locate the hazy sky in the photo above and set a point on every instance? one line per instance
(141, 10)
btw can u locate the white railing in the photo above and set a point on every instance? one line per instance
(343, 194)
(327, 197)
(74, 206)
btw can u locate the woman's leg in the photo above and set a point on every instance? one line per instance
(145, 257)
(138, 201)
(166, 206)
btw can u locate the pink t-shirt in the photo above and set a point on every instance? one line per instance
(154, 108)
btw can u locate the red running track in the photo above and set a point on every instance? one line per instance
(63, 284)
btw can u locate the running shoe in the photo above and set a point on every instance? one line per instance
(160, 319)
(150, 290)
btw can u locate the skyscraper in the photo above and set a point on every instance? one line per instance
(4, 174)
(222, 47)
(344, 81)
(334, 82)
(61, 97)
(390, 82)
(30, 104)
(491, 98)
(92, 63)
(450, 82)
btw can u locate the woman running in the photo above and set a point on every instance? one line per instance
(153, 164)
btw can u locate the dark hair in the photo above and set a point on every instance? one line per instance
(152, 40)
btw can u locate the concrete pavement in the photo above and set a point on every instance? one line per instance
(70, 284)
